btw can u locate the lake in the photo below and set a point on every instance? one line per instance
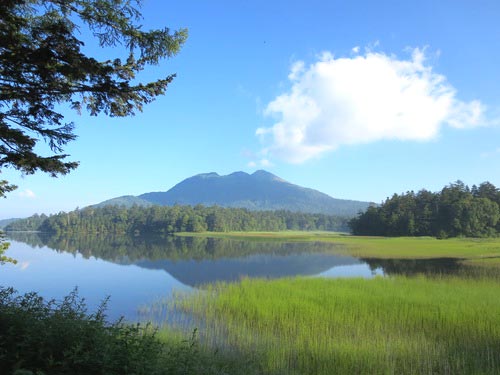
(137, 271)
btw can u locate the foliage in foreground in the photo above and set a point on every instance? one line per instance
(46, 337)
(419, 325)
(43, 65)
(3, 247)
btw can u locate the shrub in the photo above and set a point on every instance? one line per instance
(49, 337)
(40, 337)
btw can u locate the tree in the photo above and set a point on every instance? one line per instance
(455, 211)
(42, 65)
(488, 190)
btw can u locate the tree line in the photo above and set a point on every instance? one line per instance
(166, 220)
(456, 210)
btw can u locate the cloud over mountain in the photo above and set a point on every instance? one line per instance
(361, 99)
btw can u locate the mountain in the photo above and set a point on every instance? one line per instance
(125, 201)
(258, 191)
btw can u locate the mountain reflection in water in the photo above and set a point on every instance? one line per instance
(135, 271)
(199, 260)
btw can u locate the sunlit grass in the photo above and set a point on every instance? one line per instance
(393, 325)
(445, 325)
(387, 247)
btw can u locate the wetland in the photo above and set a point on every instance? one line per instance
(292, 302)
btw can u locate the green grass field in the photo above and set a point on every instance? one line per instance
(393, 325)
(487, 249)
(445, 325)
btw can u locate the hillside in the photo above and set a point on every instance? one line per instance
(258, 191)
(125, 201)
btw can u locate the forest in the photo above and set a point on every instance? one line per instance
(165, 220)
(455, 211)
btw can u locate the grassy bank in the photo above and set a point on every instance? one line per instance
(487, 249)
(399, 325)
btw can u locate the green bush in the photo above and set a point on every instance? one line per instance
(48, 337)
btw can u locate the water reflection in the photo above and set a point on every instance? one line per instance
(194, 261)
(135, 271)
(55, 274)
(199, 272)
(411, 267)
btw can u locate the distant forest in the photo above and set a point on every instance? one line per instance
(456, 210)
(165, 220)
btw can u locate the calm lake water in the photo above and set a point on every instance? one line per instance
(137, 271)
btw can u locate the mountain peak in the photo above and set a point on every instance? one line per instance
(238, 174)
(260, 190)
(265, 175)
(207, 175)
(262, 172)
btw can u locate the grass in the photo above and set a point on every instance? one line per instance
(443, 325)
(394, 325)
(487, 249)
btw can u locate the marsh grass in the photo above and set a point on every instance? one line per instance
(400, 325)
(477, 249)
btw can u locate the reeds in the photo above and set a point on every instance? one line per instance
(401, 325)
(386, 247)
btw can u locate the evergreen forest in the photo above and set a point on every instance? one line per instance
(165, 220)
(455, 211)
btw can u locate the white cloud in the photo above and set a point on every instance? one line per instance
(265, 163)
(260, 163)
(361, 99)
(296, 70)
(26, 193)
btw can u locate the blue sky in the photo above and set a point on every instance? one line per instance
(357, 99)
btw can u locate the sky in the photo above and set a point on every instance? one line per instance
(357, 99)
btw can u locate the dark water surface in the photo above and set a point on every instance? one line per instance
(137, 271)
